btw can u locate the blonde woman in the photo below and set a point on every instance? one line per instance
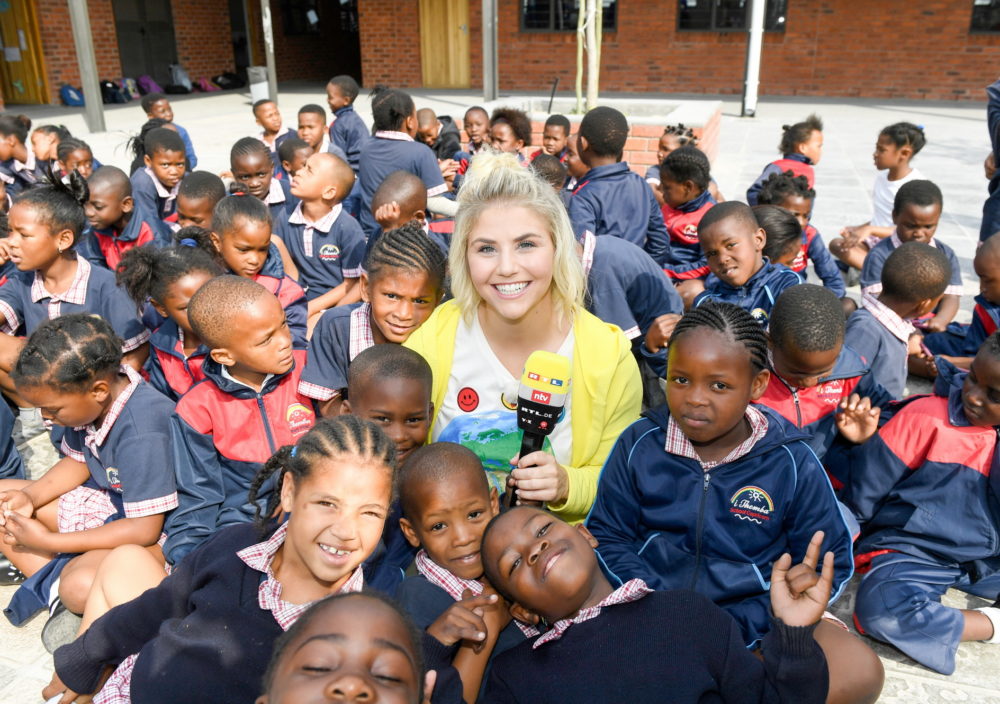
(518, 287)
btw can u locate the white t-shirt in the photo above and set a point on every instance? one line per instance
(884, 196)
(479, 409)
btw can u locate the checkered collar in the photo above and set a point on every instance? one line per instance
(77, 291)
(632, 590)
(323, 224)
(678, 443)
(262, 135)
(589, 245)
(455, 586)
(95, 437)
(162, 190)
(393, 134)
(887, 317)
(28, 165)
(894, 237)
(361, 330)
(275, 193)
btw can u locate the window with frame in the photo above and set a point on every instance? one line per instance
(562, 15)
(727, 15)
(300, 17)
(985, 16)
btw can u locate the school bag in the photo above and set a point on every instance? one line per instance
(179, 77)
(71, 96)
(110, 93)
(129, 88)
(147, 85)
(205, 85)
(228, 80)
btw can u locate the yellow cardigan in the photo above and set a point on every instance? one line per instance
(606, 393)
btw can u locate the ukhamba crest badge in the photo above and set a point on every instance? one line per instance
(751, 503)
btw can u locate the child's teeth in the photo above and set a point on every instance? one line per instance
(327, 548)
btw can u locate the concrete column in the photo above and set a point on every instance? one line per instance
(84, 41)
(491, 82)
(755, 45)
(272, 72)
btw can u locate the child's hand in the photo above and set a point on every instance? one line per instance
(56, 687)
(798, 595)
(990, 166)
(430, 679)
(28, 533)
(463, 620)
(538, 477)
(922, 364)
(449, 167)
(849, 235)
(15, 501)
(497, 615)
(935, 324)
(4, 251)
(660, 331)
(857, 419)
(387, 215)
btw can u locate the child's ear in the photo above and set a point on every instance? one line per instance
(286, 165)
(523, 614)
(222, 356)
(262, 699)
(216, 240)
(100, 390)
(159, 309)
(345, 407)
(420, 215)
(147, 161)
(330, 192)
(287, 492)
(409, 533)
(494, 501)
(582, 530)
(582, 144)
(759, 384)
(64, 240)
(364, 288)
(759, 238)
(128, 204)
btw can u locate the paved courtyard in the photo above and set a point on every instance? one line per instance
(957, 145)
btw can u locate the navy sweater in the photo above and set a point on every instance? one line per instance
(668, 646)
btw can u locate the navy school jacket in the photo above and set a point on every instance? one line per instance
(169, 371)
(885, 352)
(662, 518)
(964, 340)
(106, 247)
(814, 249)
(17, 179)
(871, 271)
(814, 410)
(289, 293)
(350, 134)
(756, 296)
(147, 195)
(222, 433)
(796, 163)
(614, 200)
(991, 208)
(686, 258)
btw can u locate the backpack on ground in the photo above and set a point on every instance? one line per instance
(147, 85)
(71, 96)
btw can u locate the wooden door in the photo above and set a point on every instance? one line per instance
(146, 42)
(22, 64)
(444, 43)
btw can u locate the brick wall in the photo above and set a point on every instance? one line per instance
(889, 49)
(202, 33)
(60, 52)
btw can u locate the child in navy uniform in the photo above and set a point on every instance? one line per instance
(611, 199)
(154, 187)
(294, 153)
(325, 242)
(709, 491)
(312, 128)
(916, 213)
(402, 198)
(923, 491)
(17, 160)
(783, 234)
(633, 644)
(253, 169)
(801, 149)
(794, 194)
(732, 240)
(167, 279)
(73, 155)
(402, 283)
(197, 197)
(226, 426)
(447, 503)
(555, 133)
(158, 105)
(348, 131)
(272, 132)
(914, 278)
(439, 133)
(119, 223)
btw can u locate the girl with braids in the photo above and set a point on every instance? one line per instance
(17, 160)
(393, 148)
(204, 634)
(73, 155)
(402, 283)
(166, 279)
(673, 138)
(253, 170)
(519, 287)
(801, 148)
(115, 482)
(708, 491)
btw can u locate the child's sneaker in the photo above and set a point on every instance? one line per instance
(9, 574)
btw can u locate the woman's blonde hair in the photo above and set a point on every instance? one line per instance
(499, 180)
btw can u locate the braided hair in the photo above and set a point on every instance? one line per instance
(687, 164)
(69, 145)
(777, 187)
(390, 108)
(685, 135)
(69, 353)
(904, 134)
(246, 146)
(329, 438)
(799, 133)
(733, 322)
(148, 271)
(407, 247)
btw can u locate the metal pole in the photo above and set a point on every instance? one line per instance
(755, 45)
(272, 72)
(491, 82)
(93, 105)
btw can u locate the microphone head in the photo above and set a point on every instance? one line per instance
(542, 392)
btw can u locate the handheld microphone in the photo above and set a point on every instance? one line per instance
(541, 397)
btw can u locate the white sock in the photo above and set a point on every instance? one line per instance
(993, 614)
(27, 415)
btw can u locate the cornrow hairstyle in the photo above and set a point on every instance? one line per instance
(777, 187)
(315, 109)
(732, 321)
(685, 135)
(246, 146)
(409, 248)
(59, 205)
(518, 120)
(259, 103)
(347, 85)
(808, 318)
(202, 184)
(58, 131)
(390, 108)
(329, 438)
(17, 125)
(293, 634)
(161, 139)
(287, 149)
(69, 145)
(550, 169)
(558, 121)
(921, 193)
(904, 134)
(687, 164)
(148, 271)
(69, 353)
(784, 234)
(136, 142)
(799, 133)
(606, 131)
(238, 207)
(151, 99)
(915, 272)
